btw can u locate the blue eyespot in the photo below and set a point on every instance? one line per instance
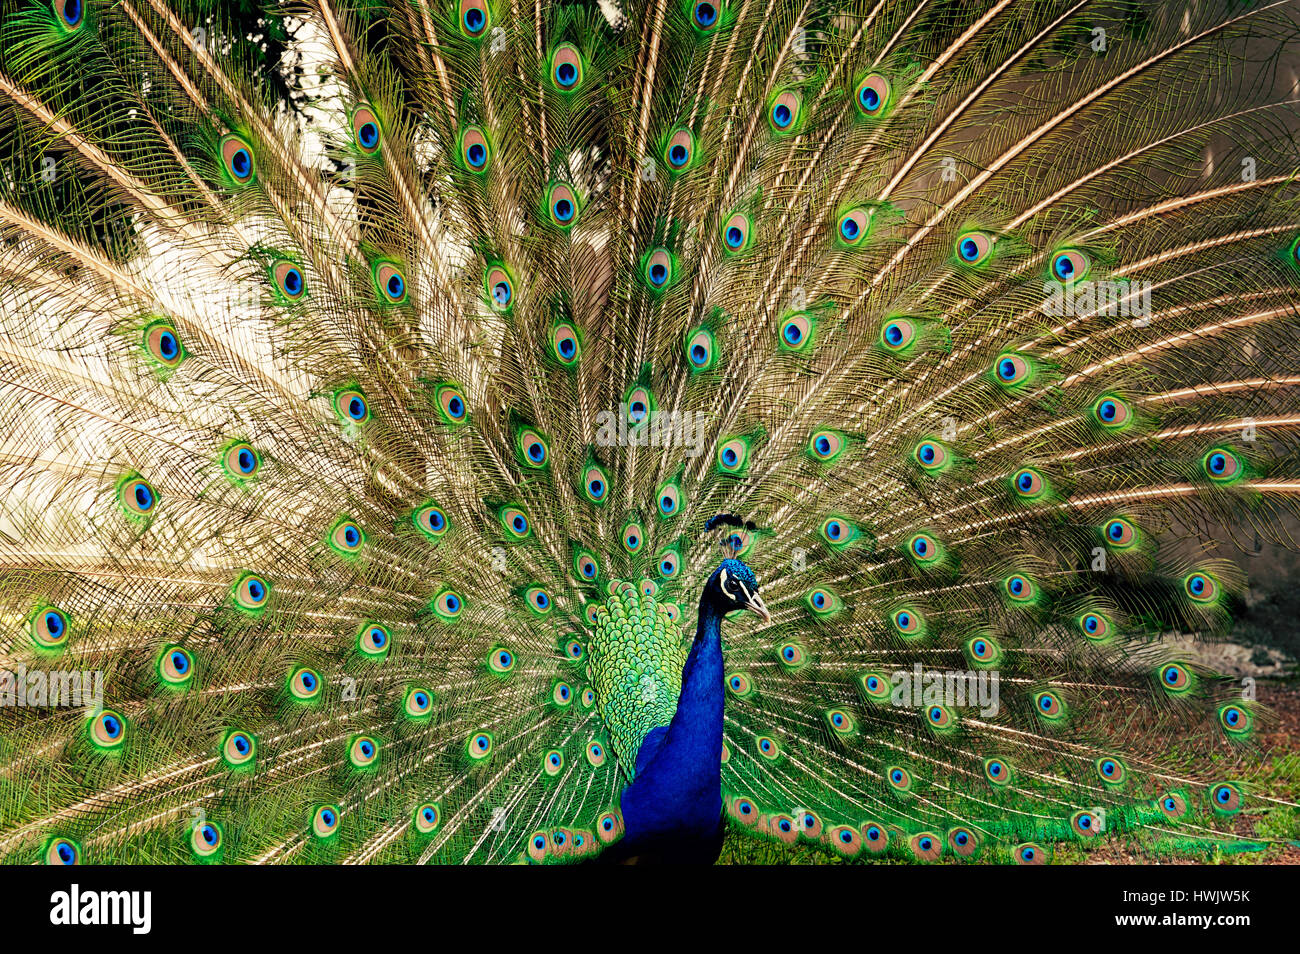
(781, 115)
(706, 14)
(869, 98)
(167, 345)
(356, 408)
(566, 74)
(563, 210)
(969, 249)
(677, 155)
(596, 487)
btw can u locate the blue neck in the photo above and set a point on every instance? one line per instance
(677, 793)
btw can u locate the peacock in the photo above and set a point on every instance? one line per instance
(383, 386)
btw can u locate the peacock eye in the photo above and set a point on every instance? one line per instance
(785, 112)
(973, 247)
(365, 129)
(680, 149)
(657, 269)
(1070, 266)
(566, 67)
(736, 233)
(163, 345)
(475, 149)
(351, 407)
(872, 94)
(70, 12)
(391, 283)
(238, 158)
(499, 288)
(474, 18)
(705, 15)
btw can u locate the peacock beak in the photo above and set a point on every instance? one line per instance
(756, 605)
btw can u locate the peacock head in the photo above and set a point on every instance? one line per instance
(733, 586)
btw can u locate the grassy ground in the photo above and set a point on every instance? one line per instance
(1278, 775)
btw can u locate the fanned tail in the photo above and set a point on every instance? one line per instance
(336, 397)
